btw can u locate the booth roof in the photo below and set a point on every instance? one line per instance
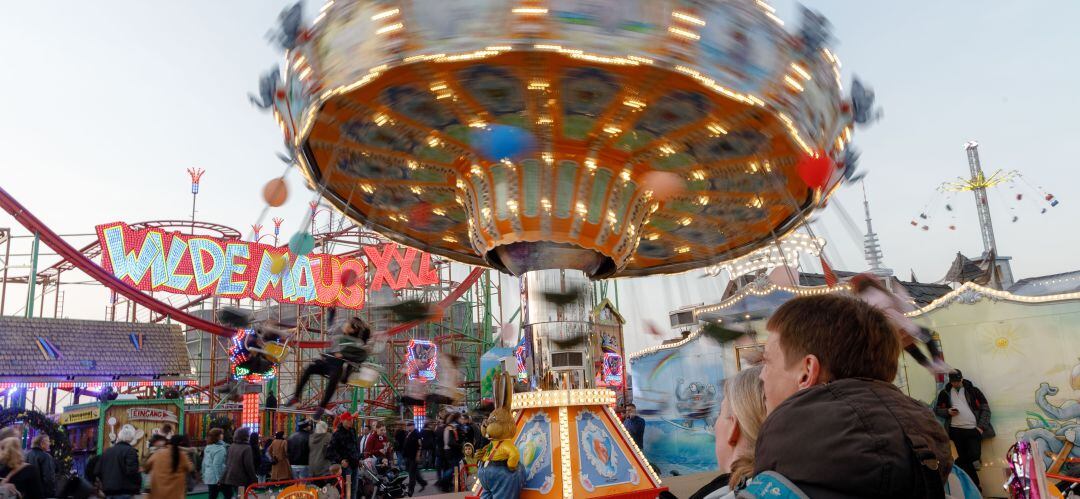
(37, 349)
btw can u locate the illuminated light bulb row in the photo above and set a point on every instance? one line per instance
(93, 384)
(530, 11)
(800, 291)
(564, 454)
(684, 33)
(793, 83)
(794, 132)
(561, 398)
(992, 293)
(717, 130)
(633, 445)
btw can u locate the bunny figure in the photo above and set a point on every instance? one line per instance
(499, 474)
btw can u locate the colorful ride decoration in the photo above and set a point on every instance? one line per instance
(514, 134)
(241, 356)
(603, 137)
(421, 360)
(153, 259)
(572, 445)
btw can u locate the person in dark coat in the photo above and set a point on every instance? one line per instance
(635, 426)
(410, 451)
(118, 468)
(299, 449)
(14, 470)
(240, 462)
(837, 427)
(40, 457)
(399, 444)
(967, 419)
(427, 446)
(344, 448)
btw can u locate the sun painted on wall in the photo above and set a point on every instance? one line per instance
(999, 340)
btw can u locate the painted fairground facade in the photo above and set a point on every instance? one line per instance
(1022, 351)
(677, 389)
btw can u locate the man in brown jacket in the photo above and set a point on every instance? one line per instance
(837, 427)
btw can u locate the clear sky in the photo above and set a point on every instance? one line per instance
(107, 104)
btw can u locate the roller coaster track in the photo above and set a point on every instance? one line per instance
(81, 259)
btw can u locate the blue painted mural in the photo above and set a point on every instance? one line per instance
(678, 392)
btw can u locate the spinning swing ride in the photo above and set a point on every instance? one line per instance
(1013, 190)
(562, 141)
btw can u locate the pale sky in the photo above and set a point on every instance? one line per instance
(109, 102)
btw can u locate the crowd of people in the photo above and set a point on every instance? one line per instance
(171, 467)
(823, 389)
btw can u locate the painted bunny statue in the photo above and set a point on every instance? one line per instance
(499, 474)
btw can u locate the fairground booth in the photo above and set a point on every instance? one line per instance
(117, 374)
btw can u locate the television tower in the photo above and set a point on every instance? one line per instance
(871, 245)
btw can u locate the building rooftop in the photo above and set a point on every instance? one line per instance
(37, 349)
(1067, 282)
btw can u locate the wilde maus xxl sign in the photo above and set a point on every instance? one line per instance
(156, 260)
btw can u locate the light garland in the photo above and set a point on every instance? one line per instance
(642, 460)
(771, 256)
(4, 385)
(992, 293)
(563, 398)
(566, 468)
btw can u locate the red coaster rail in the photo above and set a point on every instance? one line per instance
(85, 264)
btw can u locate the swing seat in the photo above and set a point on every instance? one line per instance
(363, 377)
(276, 352)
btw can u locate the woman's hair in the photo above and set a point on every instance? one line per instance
(174, 448)
(11, 454)
(279, 434)
(215, 434)
(745, 394)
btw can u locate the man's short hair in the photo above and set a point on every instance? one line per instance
(849, 337)
(39, 439)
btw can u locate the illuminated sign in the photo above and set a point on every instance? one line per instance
(156, 260)
(421, 360)
(80, 416)
(249, 412)
(613, 369)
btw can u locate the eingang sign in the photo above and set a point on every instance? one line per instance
(156, 260)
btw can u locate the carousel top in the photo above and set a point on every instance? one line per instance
(527, 134)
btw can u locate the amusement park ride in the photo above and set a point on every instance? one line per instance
(563, 142)
(555, 141)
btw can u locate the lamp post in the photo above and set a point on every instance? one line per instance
(277, 228)
(195, 174)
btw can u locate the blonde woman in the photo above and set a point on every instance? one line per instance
(16, 472)
(741, 414)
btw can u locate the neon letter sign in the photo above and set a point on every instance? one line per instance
(155, 260)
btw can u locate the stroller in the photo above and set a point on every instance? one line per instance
(382, 481)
